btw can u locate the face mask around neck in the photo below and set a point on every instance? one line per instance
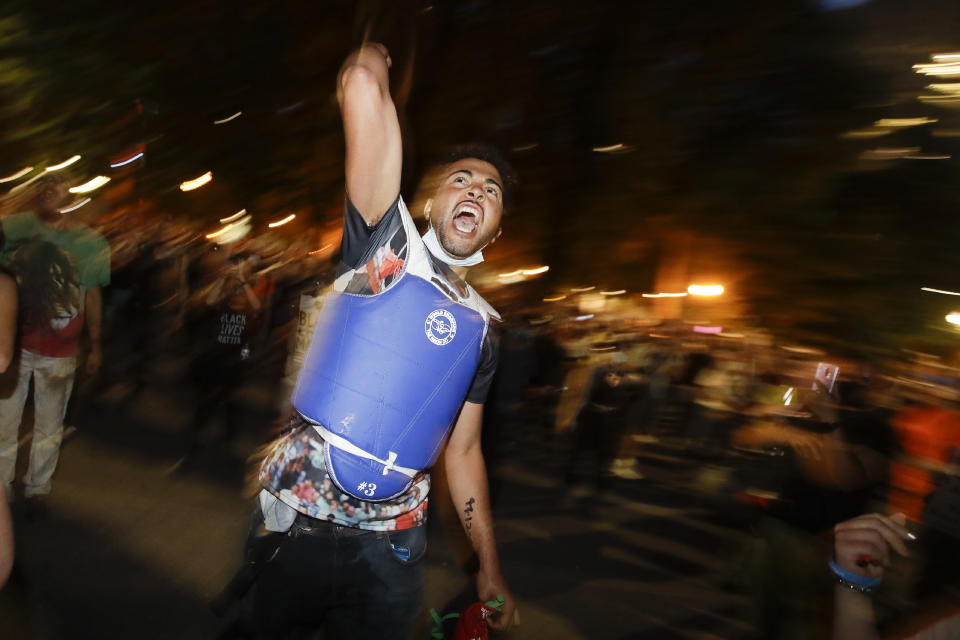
(433, 244)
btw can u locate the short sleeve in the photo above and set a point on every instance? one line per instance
(360, 240)
(16, 228)
(96, 263)
(489, 357)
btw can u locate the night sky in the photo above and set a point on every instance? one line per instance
(730, 120)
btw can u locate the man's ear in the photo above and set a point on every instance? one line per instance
(494, 238)
(427, 208)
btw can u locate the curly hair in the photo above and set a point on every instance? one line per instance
(488, 154)
(35, 263)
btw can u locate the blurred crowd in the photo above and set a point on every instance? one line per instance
(786, 441)
(789, 440)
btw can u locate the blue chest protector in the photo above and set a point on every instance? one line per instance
(383, 380)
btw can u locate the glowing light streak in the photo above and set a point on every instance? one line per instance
(17, 175)
(705, 289)
(665, 295)
(927, 156)
(801, 350)
(290, 107)
(948, 293)
(707, 330)
(284, 221)
(889, 153)
(325, 247)
(90, 185)
(511, 274)
(20, 187)
(938, 68)
(555, 298)
(610, 149)
(581, 289)
(953, 318)
(618, 292)
(875, 132)
(946, 98)
(226, 120)
(946, 87)
(127, 161)
(945, 56)
(535, 271)
(63, 165)
(75, 206)
(196, 183)
(582, 318)
(219, 233)
(236, 216)
(904, 122)
(929, 67)
(526, 147)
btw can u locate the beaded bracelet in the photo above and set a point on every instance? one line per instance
(853, 581)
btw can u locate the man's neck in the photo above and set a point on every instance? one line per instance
(458, 274)
(56, 220)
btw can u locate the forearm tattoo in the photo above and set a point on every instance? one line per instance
(468, 516)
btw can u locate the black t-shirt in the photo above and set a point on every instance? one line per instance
(294, 470)
(377, 256)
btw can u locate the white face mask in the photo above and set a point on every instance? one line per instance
(433, 244)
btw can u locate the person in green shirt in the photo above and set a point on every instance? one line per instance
(60, 265)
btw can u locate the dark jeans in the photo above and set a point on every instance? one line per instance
(353, 584)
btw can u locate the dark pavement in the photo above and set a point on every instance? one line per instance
(136, 545)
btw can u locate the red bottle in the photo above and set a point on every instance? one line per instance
(472, 624)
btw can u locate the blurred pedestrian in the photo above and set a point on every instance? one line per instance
(60, 265)
(232, 333)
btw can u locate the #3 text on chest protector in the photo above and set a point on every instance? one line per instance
(383, 380)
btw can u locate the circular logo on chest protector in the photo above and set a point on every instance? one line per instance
(440, 327)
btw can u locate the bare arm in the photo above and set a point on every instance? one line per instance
(8, 321)
(93, 313)
(826, 458)
(372, 131)
(871, 536)
(215, 291)
(467, 478)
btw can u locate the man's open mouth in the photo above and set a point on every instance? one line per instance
(466, 217)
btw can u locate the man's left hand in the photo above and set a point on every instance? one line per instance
(94, 359)
(489, 586)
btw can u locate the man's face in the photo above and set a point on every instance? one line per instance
(466, 208)
(51, 197)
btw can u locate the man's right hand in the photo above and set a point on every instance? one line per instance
(862, 545)
(368, 55)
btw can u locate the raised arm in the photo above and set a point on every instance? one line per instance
(372, 131)
(467, 477)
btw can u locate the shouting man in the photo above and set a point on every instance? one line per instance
(397, 372)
